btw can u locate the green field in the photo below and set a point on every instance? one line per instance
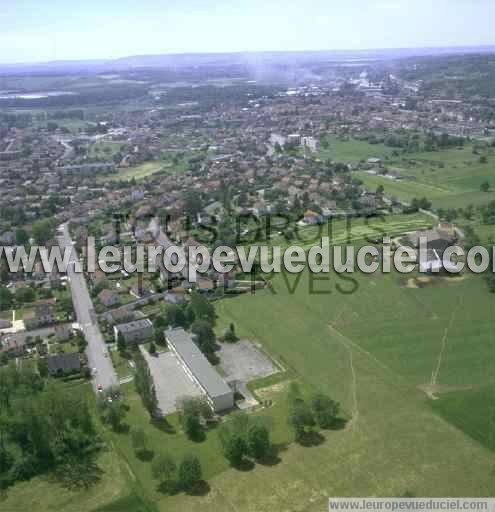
(411, 366)
(449, 178)
(348, 150)
(471, 410)
(145, 170)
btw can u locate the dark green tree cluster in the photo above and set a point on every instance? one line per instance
(488, 213)
(144, 384)
(304, 418)
(173, 477)
(419, 204)
(111, 409)
(242, 437)
(230, 335)
(193, 413)
(43, 427)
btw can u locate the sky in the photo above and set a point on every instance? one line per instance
(46, 30)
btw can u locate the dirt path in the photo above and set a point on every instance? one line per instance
(436, 370)
(355, 405)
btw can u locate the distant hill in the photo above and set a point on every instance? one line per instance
(186, 60)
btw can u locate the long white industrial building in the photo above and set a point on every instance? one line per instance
(218, 393)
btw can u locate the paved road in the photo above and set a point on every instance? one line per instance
(97, 351)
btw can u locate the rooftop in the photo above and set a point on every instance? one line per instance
(136, 325)
(211, 381)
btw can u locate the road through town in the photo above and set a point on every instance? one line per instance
(97, 351)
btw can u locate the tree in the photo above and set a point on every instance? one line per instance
(259, 443)
(144, 384)
(230, 336)
(192, 427)
(205, 336)
(121, 344)
(175, 316)
(164, 468)
(66, 306)
(300, 417)
(234, 449)
(191, 410)
(6, 299)
(201, 309)
(485, 186)
(25, 295)
(43, 367)
(21, 236)
(190, 473)
(43, 231)
(138, 439)
(111, 412)
(325, 410)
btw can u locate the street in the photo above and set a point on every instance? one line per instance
(97, 351)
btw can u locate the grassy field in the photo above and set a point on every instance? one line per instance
(351, 150)
(370, 349)
(450, 178)
(145, 170)
(341, 231)
(471, 410)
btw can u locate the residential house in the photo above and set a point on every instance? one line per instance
(42, 315)
(137, 331)
(109, 298)
(63, 364)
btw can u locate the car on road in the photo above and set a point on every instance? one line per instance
(99, 387)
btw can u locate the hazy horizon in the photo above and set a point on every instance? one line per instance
(117, 29)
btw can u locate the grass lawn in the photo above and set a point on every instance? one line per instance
(172, 440)
(471, 410)
(351, 150)
(145, 170)
(121, 364)
(369, 349)
(450, 178)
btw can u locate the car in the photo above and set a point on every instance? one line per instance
(99, 387)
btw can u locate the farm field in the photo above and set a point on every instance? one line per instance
(341, 231)
(370, 349)
(145, 170)
(375, 343)
(350, 151)
(449, 178)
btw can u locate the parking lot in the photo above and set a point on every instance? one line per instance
(243, 361)
(171, 381)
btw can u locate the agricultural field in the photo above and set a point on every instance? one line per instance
(449, 178)
(145, 170)
(340, 231)
(391, 348)
(349, 151)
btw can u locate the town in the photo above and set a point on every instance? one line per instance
(169, 382)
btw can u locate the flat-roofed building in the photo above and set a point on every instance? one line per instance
(218, 393)
(134, 332)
